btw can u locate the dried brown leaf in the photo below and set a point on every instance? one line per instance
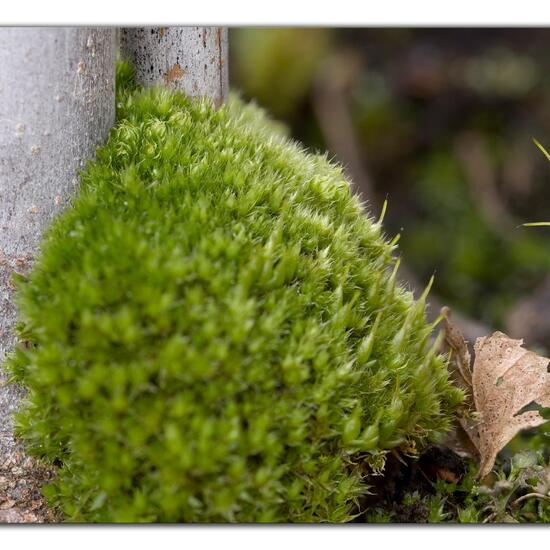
(463, 439)
(506, 378)
(456, 343)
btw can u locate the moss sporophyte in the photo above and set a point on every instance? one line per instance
(212, 331)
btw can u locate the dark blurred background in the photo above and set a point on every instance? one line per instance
(440, 122)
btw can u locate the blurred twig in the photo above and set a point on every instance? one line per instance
(330, 103)
(481, 177)
(529, 319)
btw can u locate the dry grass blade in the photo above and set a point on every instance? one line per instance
(542, 149)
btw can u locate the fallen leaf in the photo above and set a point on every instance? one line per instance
(460, 367)
(504, 379)
(463, 439)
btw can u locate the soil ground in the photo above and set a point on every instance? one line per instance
(406, 475)
(21, 477)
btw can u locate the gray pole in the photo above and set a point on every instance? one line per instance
(191, 59)
(56, 105)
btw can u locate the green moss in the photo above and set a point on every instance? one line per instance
(212, 331)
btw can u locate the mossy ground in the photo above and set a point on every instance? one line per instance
(213, 330)
(441, 487)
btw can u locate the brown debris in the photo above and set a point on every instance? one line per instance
(447, 475)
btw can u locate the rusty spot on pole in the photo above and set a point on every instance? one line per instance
(174, 73)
